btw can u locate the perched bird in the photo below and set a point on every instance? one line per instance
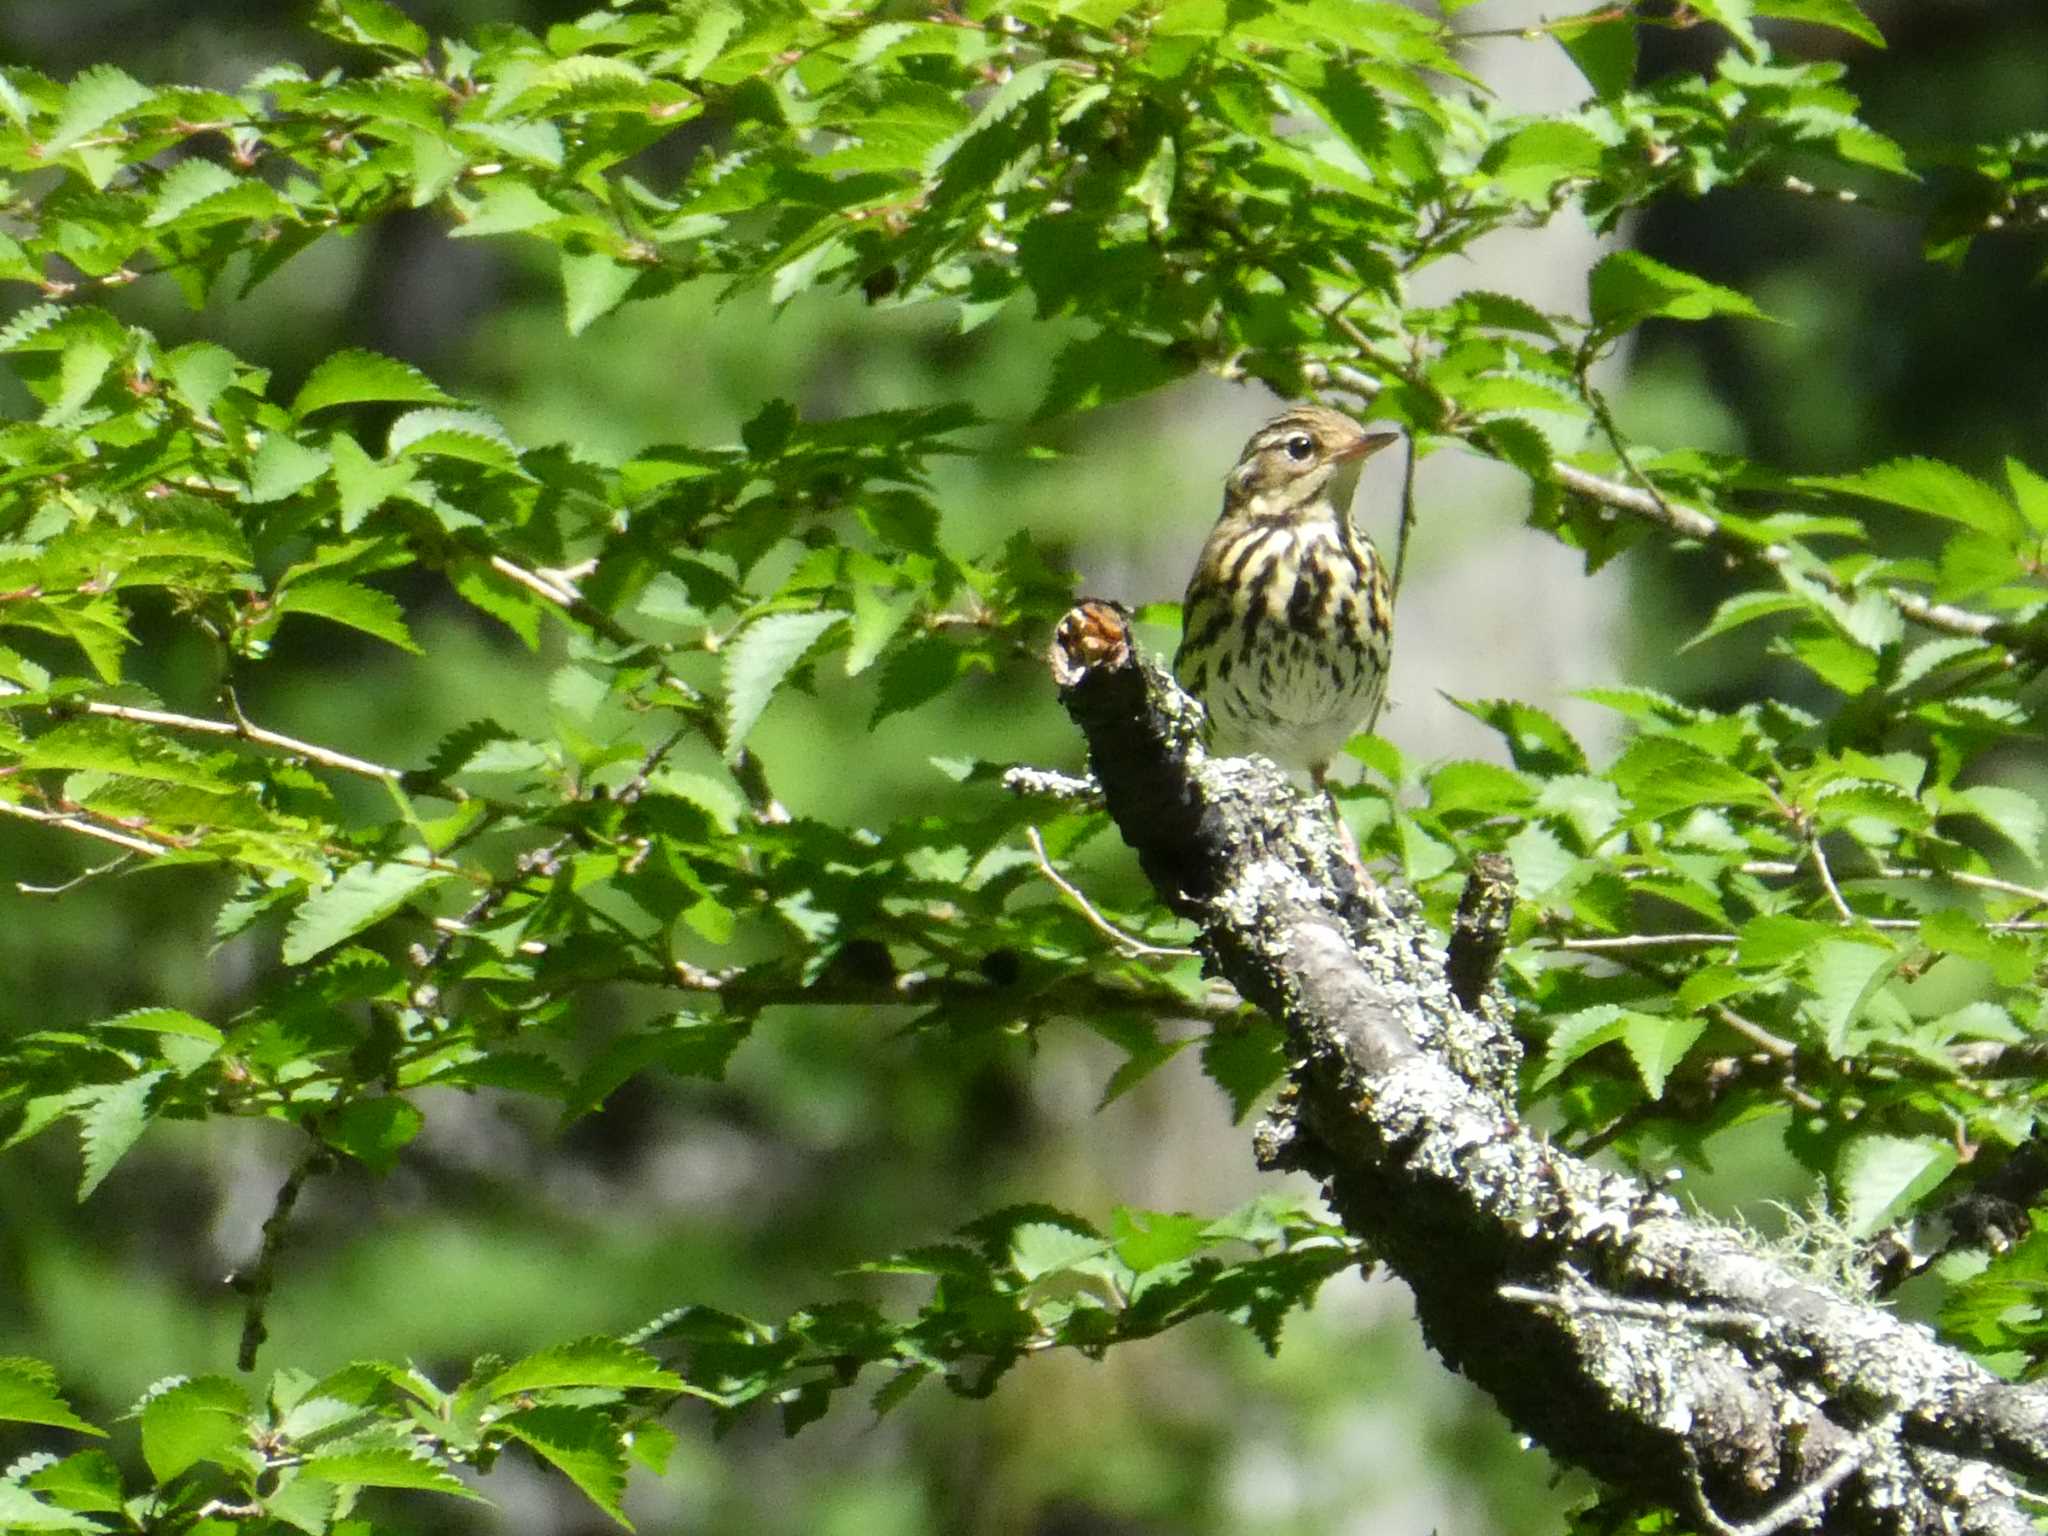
(1288, 618)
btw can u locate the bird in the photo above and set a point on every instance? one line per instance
(1288, 621)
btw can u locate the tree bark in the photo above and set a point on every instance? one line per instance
(1672, 1357)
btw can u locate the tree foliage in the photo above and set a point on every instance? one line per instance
(1822, 906)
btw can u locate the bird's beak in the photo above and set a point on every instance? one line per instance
(1367, 444)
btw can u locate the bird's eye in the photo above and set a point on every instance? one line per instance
(1299, 446)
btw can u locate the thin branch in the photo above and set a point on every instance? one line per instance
(94, 873)
(1805, 1501)
(75, 823)
(1129, 943)
(1756, 1034)
(1785, 868)
(1690, 522)
(256, 1281)
(1827, 881)
(1647, 941)
(1407, 510)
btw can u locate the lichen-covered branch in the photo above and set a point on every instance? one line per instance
(1665, 1354)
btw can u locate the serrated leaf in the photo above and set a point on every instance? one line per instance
(379, 23)
(1845, 976)
(96, 97)
(347, 602)
(1041, 1248)
(759, 659)
(1604, 52)
(283, 466)
(28, 1395)
(21, 1510)
(361, 483)
(583, 1445)
(185, 184)
(1662, 775)
(457, 434)
(355, 376)
(373, 1131)
(1244, 1057)
(1746, 608)
(599, 1361)
(110, 1118)
(593, 285)
(1657, 1043)
(365, 894)
(2013, 815)
(1627, 287)
(1842, 15)
(1930, 486)
(385, 1466)
(1880, 1177)
(205, 1419)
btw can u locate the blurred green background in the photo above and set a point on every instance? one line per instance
(834, 1138)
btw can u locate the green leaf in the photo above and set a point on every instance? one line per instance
(86, 1480)
(362, 485)
(347, 602)
(1736, 16)
(96, 97)
(283, 466)
(1657, 1044)
(365, 894)
(379, 1464)
(593, 285)
(1245, 1057)
(1627, 288)
(598, 1361)
(1930, 486)
(1605, 53)
(1531, 163)
(354, 376)
(1661, 775)
(2013, 815)
(1106, 368)
(110, 1118)
(2030, 492)
(21, 1510)
(205, 1419)
(1745, 608)
(759, 659)
(467, 435)
(373, 1131)
(377, 23)
(1880, 1177)
(1536, 742)
(1041, 1248)
(28, 1395)
(1842, 15)
(1845, 976)
(581, 1443)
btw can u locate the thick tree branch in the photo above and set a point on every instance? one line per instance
(1690, 1367)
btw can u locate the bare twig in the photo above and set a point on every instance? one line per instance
(1646, 941)
(1827, 881)
(94, 873)
(1805, 1501)
(71, 822)
(255, 1282)
(1786, 868)
(1129, 943)
(1407, 528)
(1756, 1034)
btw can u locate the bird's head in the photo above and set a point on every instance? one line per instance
(1302, 464)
